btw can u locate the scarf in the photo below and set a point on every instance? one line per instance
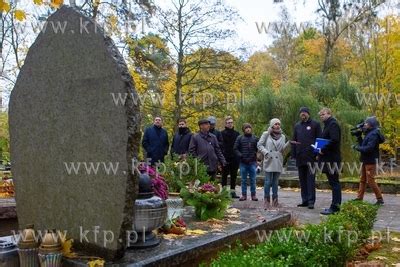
(276, 134)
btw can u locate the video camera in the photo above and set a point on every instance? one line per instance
(358, 129)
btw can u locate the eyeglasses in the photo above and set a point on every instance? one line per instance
(229, 122)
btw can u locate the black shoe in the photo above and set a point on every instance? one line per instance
(302, 205)
(356, 199)
(379, 202)
(328, 211)
(233, 194)
(311, 206)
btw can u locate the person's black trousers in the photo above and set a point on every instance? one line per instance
(307, 185)
(333, 180)
(230, 169)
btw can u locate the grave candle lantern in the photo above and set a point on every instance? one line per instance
(50, 254)
(150, 214)
(28, 247)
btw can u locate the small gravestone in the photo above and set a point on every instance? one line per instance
(72, 144)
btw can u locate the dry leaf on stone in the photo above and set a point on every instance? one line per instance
(232, 216)
(217, 226)
(214, 221)
(323, 190)
(67, 249)
(195, 232)
(96, 263)
(171, 236)
(232, 211)
(236, 222)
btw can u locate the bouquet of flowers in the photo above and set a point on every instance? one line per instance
(160, 187)
(208, 200)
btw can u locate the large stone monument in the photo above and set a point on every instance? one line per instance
(72, 145)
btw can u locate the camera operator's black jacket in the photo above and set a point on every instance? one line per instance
(331, 152)
(369, 147)
(305, 133)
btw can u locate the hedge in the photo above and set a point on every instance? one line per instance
(330, 243)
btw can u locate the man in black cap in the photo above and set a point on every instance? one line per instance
(204, 146)
(214, 131)
(304, 134)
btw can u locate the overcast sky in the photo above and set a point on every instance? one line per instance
(256, 12)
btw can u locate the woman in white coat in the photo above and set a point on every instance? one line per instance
(272, 145)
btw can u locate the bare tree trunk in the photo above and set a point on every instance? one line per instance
(330, 45)
(179, 73)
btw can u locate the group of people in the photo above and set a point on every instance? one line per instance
(228, 151)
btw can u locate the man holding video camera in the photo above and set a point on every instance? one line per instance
(369, 149)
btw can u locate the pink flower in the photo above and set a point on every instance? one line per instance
(207, 188)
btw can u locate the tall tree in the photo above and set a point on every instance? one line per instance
(152, 70)
(338, 16)
(191, 26)
(283, 49)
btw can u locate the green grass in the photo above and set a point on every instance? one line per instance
(330, 243)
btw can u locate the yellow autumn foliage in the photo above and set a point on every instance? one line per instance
(19, 15)
(4, 6)
(56, 3)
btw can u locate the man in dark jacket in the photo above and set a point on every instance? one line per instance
(155, 141)
(369, 149)
(246, 149)
(213, 122)
(229, 136)
(304, 135)
(205, 147)
(181, 140)
(329, 156)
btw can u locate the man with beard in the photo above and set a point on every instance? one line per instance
(329, 156)
(304, 135)
(181, 140)
(229, 136)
